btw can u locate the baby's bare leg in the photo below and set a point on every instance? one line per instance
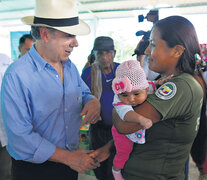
(117, 173)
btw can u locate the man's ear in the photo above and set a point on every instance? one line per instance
(44, 34)
(178, 50)
(19, 49)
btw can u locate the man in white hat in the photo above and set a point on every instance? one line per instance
(44, 98)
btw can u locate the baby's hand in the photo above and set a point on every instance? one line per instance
(147, 123)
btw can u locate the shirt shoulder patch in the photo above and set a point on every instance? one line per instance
(166, 91)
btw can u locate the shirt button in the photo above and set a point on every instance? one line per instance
(66, 127)
(66, 109)
(56, 76)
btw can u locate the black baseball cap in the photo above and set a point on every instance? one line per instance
(102, 43)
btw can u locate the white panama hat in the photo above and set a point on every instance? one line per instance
(58, 14)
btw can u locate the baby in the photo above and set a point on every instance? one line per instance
(130, 87)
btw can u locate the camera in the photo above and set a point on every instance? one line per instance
(152, 16)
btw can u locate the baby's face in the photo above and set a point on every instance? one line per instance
(134, 97)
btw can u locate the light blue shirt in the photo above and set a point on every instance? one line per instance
(39, 112)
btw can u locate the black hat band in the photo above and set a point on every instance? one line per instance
(57, 22)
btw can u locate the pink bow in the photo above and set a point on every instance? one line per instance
(120, 85)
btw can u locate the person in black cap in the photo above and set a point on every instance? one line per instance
(99, 78)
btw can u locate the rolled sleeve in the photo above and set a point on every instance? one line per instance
(23, 142)
(86, 93)
(44, 152)
(88, 98)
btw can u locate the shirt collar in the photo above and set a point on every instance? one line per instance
(40, 62)
(37, 59)
(67, 63)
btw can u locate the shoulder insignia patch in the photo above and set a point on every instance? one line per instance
(166, 91)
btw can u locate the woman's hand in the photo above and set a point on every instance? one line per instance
(103, 153)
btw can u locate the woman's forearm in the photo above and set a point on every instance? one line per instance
(146, 110)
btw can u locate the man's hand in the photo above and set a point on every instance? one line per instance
(78, 160)
(91, 111)
(81, 162)
(102, 153)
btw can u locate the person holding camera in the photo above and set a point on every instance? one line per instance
(143, 59)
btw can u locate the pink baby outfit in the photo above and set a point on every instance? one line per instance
(122, 109)
(129, 76)
(123, 148)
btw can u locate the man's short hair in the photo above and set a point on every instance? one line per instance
(23, 39)
(35, 31)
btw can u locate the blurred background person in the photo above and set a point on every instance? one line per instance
(202, 168)
(152, 16)
(25, 43)
(204, 51)
(143, 59)
(5, 159)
